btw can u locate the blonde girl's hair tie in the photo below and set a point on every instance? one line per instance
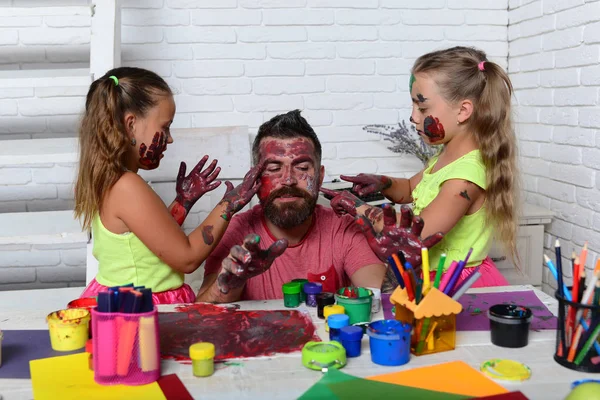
(481, 66)
(115, 79)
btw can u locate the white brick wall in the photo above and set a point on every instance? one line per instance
(344, 62)
(554, 53)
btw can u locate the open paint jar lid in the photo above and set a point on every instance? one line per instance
(322, 355)
(509, 314)
(507, 370)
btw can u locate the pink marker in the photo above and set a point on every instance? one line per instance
(447, 275)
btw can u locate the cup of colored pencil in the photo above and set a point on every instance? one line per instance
(430, 304)
(578, 327)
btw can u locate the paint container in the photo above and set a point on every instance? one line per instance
(351, 339)
(85, 302)
(302, 282)
(312, 289)
(332, 310)
(376, 303)
(291, 294)
(69, 329)
(389, 341)
(202, 355)
(509, 325)
(89, 348)
(1, 337)
(336, 323)
(357, 308)
(324, 299)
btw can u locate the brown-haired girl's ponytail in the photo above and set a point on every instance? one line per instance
(104, 143)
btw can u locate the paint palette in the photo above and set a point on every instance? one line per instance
(507, 370)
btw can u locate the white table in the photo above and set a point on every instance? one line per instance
(284, 377)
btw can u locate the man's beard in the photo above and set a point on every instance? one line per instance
(289, 215)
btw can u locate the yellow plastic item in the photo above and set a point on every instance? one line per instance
(202, 355)
(507, 370)
(433, 319)
(69, 329)
(331, 310)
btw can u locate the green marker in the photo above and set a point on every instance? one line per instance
(440, 269)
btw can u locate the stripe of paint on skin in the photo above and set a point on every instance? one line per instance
(421, 98)
(207, 235)
(410, 82)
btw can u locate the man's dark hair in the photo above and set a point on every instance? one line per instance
(286, 126)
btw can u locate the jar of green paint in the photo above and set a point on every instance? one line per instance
(202, 355)
(291, 294)
(302, 282)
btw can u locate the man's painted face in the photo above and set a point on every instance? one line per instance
(431, 114)
(290, 181)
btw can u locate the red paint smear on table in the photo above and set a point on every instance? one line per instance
(235, 333)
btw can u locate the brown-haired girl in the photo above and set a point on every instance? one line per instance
(461, 101)
(137, 239)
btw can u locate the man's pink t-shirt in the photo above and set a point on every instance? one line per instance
(333, 249)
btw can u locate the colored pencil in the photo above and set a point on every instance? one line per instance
(440, 270)
(396, 271)
(468, 283)
(588, 344)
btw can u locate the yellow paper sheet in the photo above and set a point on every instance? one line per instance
(453, 377)
(69, 378)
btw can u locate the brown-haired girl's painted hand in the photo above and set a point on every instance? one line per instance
(190, 188)
(405, 238)
(343, 202)
(237, 198)
(247, 261)
(365, 184)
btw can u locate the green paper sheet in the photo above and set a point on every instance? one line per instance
(336, 385)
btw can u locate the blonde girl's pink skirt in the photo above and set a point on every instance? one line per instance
(490, 276)
(183, 294)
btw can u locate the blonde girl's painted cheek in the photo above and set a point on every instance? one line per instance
(433, 129)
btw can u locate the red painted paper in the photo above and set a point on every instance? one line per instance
(235, 333)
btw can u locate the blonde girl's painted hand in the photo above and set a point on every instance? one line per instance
(342, 202)
(237, 198)
(247, 261)
(405, 238)
(199, 182)
(365, 184)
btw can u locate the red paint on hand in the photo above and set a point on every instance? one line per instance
(365, 184)
(392, 239)
(343, 202)
(247, 261)
(190, 188)
(237, 198)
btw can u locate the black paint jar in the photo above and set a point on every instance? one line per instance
(324, 299)
(509, 325)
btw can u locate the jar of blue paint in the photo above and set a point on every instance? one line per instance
(389, 341)
(336, 322)
(351, 337)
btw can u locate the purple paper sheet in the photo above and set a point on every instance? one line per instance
(474, 314)
(21, 346)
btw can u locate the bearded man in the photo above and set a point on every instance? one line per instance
(288, 236)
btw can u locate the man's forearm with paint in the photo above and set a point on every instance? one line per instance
(244, 262)
(190, 188)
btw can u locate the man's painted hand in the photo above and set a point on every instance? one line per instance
(247, 261)
(365, 184)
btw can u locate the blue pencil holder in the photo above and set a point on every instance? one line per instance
(389, 341)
